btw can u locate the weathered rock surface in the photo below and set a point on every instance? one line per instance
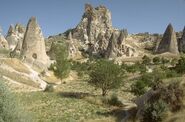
(15, 35)
(3, 42)
(97, 37)
(33, 47)
(168, 42)
(182, 42)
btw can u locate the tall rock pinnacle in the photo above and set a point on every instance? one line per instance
(168, 42)
(33, 47)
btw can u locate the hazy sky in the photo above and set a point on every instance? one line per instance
(56, 16)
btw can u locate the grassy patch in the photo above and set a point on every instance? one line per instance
(52, 107)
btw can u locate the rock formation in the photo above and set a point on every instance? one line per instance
(15, 35)
(97, 37)
(168, 42)
(33, 47)
(182, 42)
(3, 42)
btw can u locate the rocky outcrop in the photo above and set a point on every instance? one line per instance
(182, 42)
(33, 47)
(3, 42)
(97, 37)
(168, 42)
(15, 35)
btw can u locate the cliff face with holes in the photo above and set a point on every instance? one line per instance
(97, 37)
(33, 47)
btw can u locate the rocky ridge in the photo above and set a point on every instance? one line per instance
(95, 35)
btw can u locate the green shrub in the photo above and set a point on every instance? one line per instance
(154, 112)
(106, 75)
(156, 60)
(146, 60)
(49, 88)
(10, 110)
(114, 101)
(173, 95)
(139, 88)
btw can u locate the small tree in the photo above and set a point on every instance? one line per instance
(61, 67)
(106, 75)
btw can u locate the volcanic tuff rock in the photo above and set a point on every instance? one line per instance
(182, 42)
(15, 35)
(3, 42)
(168, 42)
(94, 34)
(33, 48)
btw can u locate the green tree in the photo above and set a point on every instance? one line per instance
(61, 67)
(106, 75)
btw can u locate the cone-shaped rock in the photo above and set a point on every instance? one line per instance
(111, 47)
(33, 46)
(168, 42)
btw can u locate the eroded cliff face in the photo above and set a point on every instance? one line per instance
(168, 42)
(15, 36)
(33, 47)
(182, 42)
(95, 35)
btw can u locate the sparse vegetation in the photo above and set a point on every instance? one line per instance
(154, 112)
(10, 109)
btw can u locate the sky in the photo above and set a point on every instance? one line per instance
(57, 16)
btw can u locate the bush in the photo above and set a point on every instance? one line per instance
(139, 88)
(173, 95)
(154, 112)
(10, 110)
(156, 60)
(49, 88)
(146, 60)
(114, 101)
(106, 75)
